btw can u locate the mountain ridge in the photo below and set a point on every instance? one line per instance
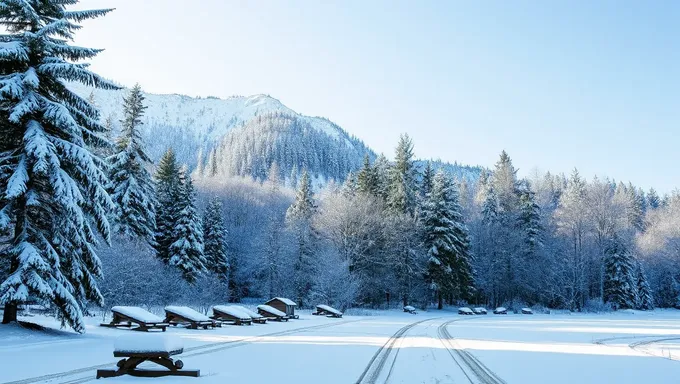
(195, 126)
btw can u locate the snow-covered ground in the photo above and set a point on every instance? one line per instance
(431, 347)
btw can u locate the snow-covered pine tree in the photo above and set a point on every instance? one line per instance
(653, 200)
(130, 186)
(52, 188)
(186, 251)
(401, 195)
(645, 299)
(366, 178)
(349, 187)
(214, 239)
(529, 219)
(299, 218)
(427, 181)
(667, 292)
(167, 202)
(619, 276)
(446, 240)
(381, 168)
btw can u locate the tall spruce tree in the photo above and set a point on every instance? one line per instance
(299, 218)
(52, 188)
(214, 239)
(653, 200)
(131, 187)
(186, 250)
(366, 178)
(401, 194)
(620, 288)
(427, 181)
(446, 240)
(645, 299)
(168, 188)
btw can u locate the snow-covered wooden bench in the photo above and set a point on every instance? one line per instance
(271, 313)
(231, 314)
(129, 316)
(410, 309)
(156, 349)
(325, 310)
(257, 318)
(175, 315)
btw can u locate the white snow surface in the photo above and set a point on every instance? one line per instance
(271, 310)
(233, 311)
(284, 300)
(623, 348)
(138, 314)
(148, 342)
(187, 312)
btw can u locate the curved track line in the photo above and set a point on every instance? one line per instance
(375, 366)
(468, 363)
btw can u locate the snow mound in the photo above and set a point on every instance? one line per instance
(137, 314)
(148, 342)
(187, 313)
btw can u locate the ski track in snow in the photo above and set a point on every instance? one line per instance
(470, 366)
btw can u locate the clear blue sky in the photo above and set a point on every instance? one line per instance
(558, 84)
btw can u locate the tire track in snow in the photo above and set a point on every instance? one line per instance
(641, 343)
(192, 351)
(474, 370)
(377, 363)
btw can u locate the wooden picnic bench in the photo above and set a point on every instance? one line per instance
(271, 313)
(257, 318)
(231, 314)
(158, 351)
(325, 310)
(130, 316)
(175, 315)
(410, 309)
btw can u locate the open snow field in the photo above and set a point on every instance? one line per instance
(392, 347)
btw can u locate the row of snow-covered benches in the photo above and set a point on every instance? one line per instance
(160, 349)
(143, 320)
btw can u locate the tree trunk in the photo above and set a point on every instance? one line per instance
(440, 300)
(10, 314)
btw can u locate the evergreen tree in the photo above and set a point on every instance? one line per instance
(446, 240)
(401, 195)
(619, 280)
(186, 251)
(52, 188)
(167, 206)
(653, 200)
(428, 180)
(131, 187)
(529, 220)
(349, 187)
(366, 178)
(668, 294)
(214, 238)
(381, 171)
(299, 218)
(645, 301)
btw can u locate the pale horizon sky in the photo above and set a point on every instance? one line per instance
(557, 84)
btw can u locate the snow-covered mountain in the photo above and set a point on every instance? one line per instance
(247, 132)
